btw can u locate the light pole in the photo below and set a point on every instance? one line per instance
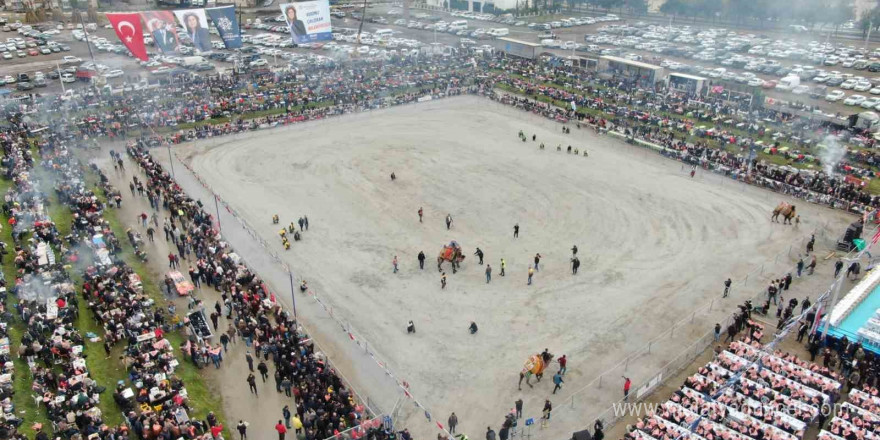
(170, 158)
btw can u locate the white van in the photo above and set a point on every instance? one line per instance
(383, 33)
(459, 24)
(498, 32)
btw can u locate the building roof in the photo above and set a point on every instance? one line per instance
(630, 62)
(519, 42)
(684, 75)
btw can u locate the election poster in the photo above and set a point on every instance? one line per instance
(307, 21)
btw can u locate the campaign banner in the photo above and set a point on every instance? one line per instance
(128, 29)
(226, 23)
(196, 24)
(307, 21)
(160, 25)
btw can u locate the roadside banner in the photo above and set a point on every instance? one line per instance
(307, 21)
(227, 25)
(128, 29)
(160, 25)
(196, 24)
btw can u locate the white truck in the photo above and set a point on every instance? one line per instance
(788, 83)
(192, 61)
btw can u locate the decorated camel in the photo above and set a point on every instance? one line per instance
(786, 211)
(451, 253)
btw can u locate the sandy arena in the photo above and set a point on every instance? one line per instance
(654, 243)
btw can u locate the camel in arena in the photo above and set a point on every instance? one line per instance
(451, 253)
(786, 211)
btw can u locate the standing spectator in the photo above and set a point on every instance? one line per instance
(726, 288)
(281, 430)
(421, 260)
(837, 268)
(488, 273)
(518, 405)
(250, 361)
(448, 221)
(242, 429)
(537, 260)
(252, 383)
(285, 412)
(394, 263)
(626, 385)
(563, 361)
(421, 212)
(717, 332)
(802, 330)
(490, 434)
(443, 280)
(531, 273)
(516, 230)
(263, 369)
(452, 422)
(503, 266)
(800, 266)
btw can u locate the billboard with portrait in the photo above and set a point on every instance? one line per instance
(195, 22)
(160, 26)
(307, 21)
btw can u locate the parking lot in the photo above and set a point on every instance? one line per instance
(832, 78)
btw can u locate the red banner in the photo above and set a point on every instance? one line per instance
(128, 29)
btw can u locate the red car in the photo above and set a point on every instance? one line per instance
(768, 84)
(33, 52)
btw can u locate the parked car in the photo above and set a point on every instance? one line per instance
(835, 95)
(854, 100)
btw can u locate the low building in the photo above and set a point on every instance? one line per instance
(690, 84)
(517, 48)
(642, 74)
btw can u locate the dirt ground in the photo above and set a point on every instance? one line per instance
(655, 247)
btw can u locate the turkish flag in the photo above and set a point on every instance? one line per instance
(130, 32)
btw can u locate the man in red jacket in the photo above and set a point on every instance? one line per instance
(281, 430)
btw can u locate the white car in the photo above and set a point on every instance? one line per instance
(870, 102)
(9, 79)
(854, 100)
(863, 86)
(874, 91)
(259, 63)
(70, 60)
(756, 82)
(835, 95)
(800, 90)
(67, 78)
(848, 84)
(114, 74)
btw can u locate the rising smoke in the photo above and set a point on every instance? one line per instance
(832, 154)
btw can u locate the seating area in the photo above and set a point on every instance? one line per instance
(857, 418)
(747, 392)
(45, 300)
(153, 399)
